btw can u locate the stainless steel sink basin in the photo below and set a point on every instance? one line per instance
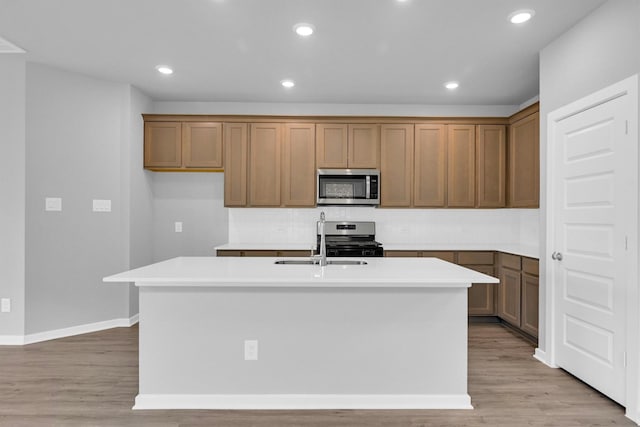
(313, 262)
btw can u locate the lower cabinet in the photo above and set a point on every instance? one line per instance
(263, 253)
(482, 296)
(518, 292)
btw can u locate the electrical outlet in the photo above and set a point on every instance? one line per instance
(53, 204)
(251, 350)
(178, 227)
(5, 305)
(101, 205)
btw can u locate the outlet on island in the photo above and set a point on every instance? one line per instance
(178, 226)
(251, 350)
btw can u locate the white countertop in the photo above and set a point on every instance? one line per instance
(262, 272)
(531, 251)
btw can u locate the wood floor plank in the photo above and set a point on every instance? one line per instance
(92, 380)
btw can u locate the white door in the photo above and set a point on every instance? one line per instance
(593, 204)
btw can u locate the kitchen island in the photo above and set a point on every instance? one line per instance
(247, 333)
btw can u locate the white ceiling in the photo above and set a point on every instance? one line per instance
(363, 51)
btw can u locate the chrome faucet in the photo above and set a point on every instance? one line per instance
(322, 255)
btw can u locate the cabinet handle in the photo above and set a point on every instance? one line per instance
(557, 256)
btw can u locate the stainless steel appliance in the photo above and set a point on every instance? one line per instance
(349, 239)
(348, 187)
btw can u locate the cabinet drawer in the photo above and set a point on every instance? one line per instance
(445, 256)
(401, 254)
(510, 261)
(475, 258)
(530, 266)
(227, 252)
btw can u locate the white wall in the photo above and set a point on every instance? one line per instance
(73, 150)
(137, 187)
(334, 109)
(393, 226)
(12, 191)
(197, 200)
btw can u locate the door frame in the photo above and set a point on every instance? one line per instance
(626, 87)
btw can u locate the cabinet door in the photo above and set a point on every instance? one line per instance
(202, 145)
(401, 254)
(162, 144)
(491, 160)
(264, 164)
(396, 165)
(331, 146)
(235, 164)
(509, 296)
(298, 166)
(482, 296)
(524, 163)
(430, 166)
(461, 176)
(529, 320)
(364, 146)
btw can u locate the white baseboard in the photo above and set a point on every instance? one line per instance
(541, 356)
(302, 401)
(68, 332)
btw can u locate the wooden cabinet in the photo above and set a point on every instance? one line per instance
(518, 292)
(162, 144)
(236, 149)
(491, 157)
(396, 166)
(202, 145)
(530, 296)
(461, 175)
(331, 145)
(524, 162)
(264, 164)
(430, 166)
(481, 296)
(298, 165)
(354, 146)
(183, 145)
(263, 253)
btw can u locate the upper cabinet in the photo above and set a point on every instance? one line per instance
(183, 145)
(491, 160)
(298, 165)
(264, 164)
(430, 166)
(461, 166)
(524, 161)
(423, 162)
(396, 170)
(354, 146)
(236, 152)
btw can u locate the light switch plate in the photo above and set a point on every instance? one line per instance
(5, 305)
(251, 350)
(53, 204)
(178, 227)
(101, 205)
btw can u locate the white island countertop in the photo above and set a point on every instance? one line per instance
(263, 272)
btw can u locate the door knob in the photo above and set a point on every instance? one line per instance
(556, 256)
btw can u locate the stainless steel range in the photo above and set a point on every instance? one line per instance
(350, 239)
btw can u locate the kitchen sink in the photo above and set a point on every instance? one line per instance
(315, 262)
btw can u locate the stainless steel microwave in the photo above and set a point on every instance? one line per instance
(348, 187)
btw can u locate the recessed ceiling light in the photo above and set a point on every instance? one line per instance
(521, 16)
(451, 85)
(164, 69)
(287, 83)
(304, 30)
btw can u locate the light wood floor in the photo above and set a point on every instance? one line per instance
(92, 380)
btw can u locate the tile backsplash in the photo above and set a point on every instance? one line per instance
(450, 226)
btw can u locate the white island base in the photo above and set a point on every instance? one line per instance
(328, 338)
